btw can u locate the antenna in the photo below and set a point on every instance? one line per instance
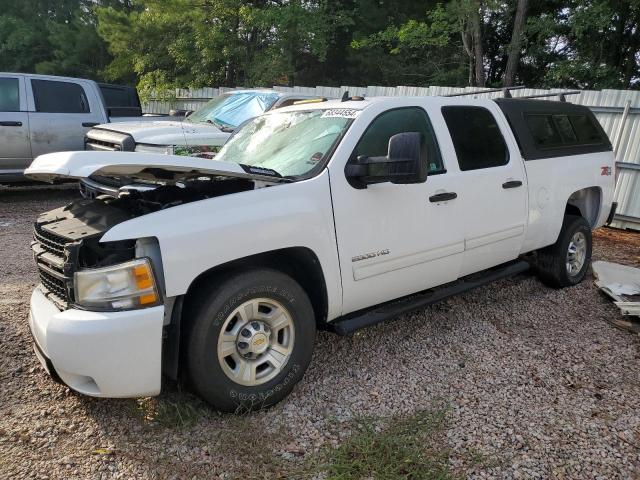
(345, 96)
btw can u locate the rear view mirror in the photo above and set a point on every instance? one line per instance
(402, 165)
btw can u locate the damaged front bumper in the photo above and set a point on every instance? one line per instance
(102, 354)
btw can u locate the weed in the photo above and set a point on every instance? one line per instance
(176, 412)
(406, 447)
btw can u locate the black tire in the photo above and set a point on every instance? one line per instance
(551, 262)
(208, 310)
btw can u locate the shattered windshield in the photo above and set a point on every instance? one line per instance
(231, 109)
(290, 143)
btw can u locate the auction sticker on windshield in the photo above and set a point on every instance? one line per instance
(341, 113)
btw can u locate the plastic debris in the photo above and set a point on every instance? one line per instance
(621, 283)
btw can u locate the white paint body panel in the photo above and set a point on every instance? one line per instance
(424, 240)
(552, 181)
(62, 165)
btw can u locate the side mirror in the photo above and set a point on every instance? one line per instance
(402, 165)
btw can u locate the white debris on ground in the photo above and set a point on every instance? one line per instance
(621, 283)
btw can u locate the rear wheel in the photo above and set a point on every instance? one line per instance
(565, 263)
(250, 341)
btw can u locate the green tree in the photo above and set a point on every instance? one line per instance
(53, 36)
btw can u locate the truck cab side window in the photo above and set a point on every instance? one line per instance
(375, 140)
(9, 95)
(59, 97)
(476, 137)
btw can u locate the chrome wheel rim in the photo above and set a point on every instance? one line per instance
(576, 253)
(256, 341)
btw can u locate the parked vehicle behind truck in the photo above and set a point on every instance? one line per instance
(42, 114)
(333, 215)
(201, 134)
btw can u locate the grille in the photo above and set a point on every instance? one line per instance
(49, 241)
(98, 139)
(48, 251)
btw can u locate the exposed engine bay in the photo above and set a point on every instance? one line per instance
(67, 239)
(142, 202)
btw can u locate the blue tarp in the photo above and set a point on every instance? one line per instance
(232, 109)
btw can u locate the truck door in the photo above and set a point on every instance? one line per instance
(492, 185)
(61, 114)
(15, 154)
(394, 240)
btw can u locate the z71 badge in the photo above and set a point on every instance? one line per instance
(605, 170)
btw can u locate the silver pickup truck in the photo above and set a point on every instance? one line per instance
(42, 114)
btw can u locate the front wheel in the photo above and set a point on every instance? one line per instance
(565, 263)
(250, 341)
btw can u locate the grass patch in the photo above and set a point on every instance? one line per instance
(170, 412)
(405, 447)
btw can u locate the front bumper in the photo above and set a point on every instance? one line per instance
(102, 354)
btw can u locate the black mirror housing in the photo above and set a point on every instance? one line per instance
(402, 165)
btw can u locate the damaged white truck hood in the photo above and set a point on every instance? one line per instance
(139, 166)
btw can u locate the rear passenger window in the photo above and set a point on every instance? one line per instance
(9, 95)
(476, 137)
(59, 97)
(375, 140)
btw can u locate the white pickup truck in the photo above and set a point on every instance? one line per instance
(333, 215)
(43, 113)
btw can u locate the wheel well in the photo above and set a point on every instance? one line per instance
(300, 263)
(585, 203)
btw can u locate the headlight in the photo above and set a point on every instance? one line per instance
(119, 287)
(159, 149)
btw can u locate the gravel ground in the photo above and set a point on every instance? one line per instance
(534, 381)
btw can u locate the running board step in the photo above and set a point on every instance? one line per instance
(371, 316)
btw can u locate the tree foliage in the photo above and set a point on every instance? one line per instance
(161, 44)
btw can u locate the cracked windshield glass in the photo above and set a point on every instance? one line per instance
(291, 143)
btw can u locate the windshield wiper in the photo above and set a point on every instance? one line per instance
(263, 171)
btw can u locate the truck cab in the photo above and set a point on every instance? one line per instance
(332, 215)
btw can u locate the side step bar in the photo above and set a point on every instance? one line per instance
(371, 316)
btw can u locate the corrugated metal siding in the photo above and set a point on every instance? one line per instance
(608, 106)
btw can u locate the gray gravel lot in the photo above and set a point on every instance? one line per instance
(535, 384)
